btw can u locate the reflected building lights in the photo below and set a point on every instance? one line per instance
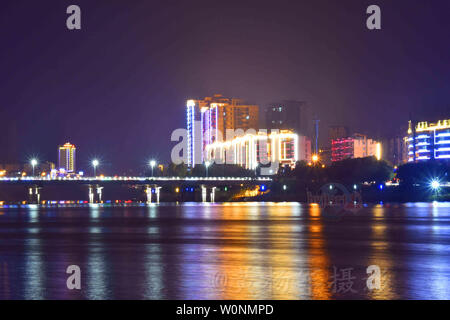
(318, 261)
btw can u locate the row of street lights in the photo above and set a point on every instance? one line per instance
(95, 163)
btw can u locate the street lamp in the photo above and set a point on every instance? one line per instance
(95, 164)
(34, 162)
(315, 158)
(152, 165)
(435, 184)
(207, 163)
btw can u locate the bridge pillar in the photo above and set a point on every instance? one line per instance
(34, 194)
(212, 194)
(148, 192)
(93, 191)
(157, 193)
(91, 194)
(203, 194)
(99, 193)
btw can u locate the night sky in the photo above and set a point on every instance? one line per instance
(117, 88)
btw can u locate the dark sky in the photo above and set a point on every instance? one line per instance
(117, 88)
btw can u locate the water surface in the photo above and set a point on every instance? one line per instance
(225, 251)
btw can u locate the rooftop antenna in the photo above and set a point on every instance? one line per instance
(316, 133)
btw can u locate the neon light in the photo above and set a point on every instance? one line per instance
(378, 151)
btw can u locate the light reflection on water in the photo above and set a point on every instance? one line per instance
(225, 251)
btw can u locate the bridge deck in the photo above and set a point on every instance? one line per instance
(135, 180)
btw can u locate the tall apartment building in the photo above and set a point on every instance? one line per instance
(289, 115)
(357, 146)
(66, 157)
(209, 119)
(429, 141)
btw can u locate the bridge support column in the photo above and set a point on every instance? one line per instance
(34, 194)
(204, 194)
(148, 192)
(93, 191)
(212, 194)
(157, 193)
(91, 194)
(99, 193)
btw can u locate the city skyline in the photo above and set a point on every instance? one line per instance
(76, 94)
(225, 155)
(343, 145)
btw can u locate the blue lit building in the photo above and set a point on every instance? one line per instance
(208, 120)
(429, 141)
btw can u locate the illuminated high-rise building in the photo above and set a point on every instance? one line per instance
(66, 157)
(357, 146)
(209, 119)
(429, 141)
(253, 150)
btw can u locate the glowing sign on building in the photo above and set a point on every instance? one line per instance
(427, 141)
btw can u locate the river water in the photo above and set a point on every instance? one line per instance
(226, 251)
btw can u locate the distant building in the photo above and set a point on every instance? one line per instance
(209, 119)
(47, 167)
(429, 141)
(337, 132)
(289, 115)
(395, 150)
(66, 157)
(11, 168)
(357, 146)
(304, 149)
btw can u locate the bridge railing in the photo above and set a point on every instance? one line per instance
(141, 179)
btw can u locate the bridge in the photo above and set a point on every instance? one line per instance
(151, 185)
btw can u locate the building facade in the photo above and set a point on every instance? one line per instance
(356, 146)
(429, 141)
(289, 115)
(209, 119)
(253, 150)
(66, 157)
(395, 150)
(338, 132)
